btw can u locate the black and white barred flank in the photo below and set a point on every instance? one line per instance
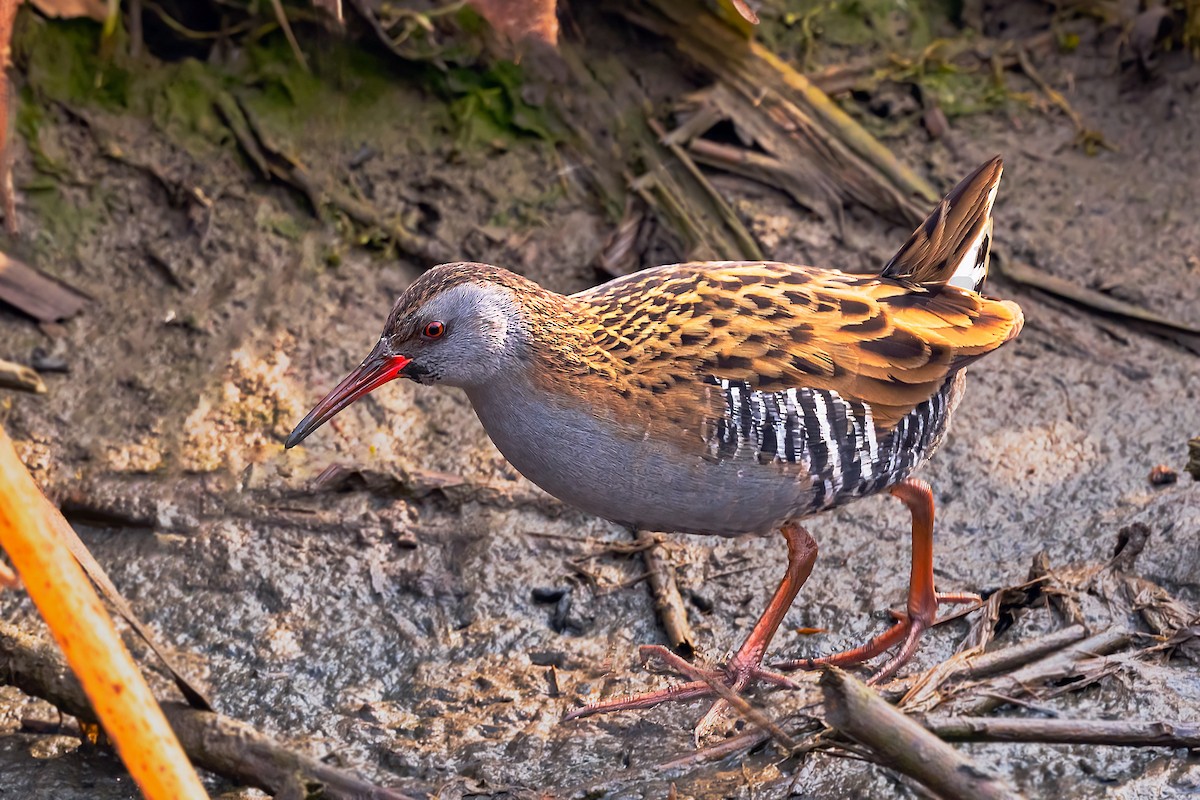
(834, 439)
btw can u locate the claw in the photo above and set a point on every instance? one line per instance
(923, 600)
(742, 669)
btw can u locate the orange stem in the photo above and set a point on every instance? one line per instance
(119, 694)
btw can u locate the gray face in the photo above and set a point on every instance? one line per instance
(481, 335)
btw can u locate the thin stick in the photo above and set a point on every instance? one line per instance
(125, 706)
(291, 37)
(217, 743)
(1119, 733)
(1135, 316)
(902, 744)
(998, 661)
(20, 377)
(70, 539)
(668, 603)
(1059, 665)
(715, 752)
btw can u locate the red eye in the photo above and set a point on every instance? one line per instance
(434, 330)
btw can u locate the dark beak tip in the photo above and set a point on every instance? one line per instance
(296, 436)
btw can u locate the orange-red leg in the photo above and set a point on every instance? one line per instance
(923, 599)
(745, 665)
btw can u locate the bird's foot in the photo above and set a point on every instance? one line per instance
(726, 683)
(906, 632)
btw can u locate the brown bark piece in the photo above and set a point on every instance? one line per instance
(35, 293)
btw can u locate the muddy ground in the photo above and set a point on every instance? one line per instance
(388, 622)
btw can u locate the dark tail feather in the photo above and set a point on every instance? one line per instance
(952, 244)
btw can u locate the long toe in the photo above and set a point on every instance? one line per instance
(728, 683)
(708, 722)
(682, 692)
(906, 651)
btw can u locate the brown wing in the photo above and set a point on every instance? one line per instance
(779, 326)
(889, 341)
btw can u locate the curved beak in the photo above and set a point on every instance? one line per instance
(376, 369)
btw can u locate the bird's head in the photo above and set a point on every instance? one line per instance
(459, 324)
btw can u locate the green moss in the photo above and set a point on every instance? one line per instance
(904, 37)
(797, 26)
(60, 62)
(352, 95)
(345, 93)
(70, 216)
(490, 109)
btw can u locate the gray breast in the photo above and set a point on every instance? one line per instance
(768, 458)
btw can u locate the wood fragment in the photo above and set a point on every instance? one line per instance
(728, 216)
(817, 129)
(1071, 660)
(1089, 138)
(37, 294)
(1193, 464)
(282, 19)
(1119, 733)
(1018, 655)
(1063, 599)
(20, 377)
(765, 169)
(95, 10)
(605, 108)
(902, 744)
(620, 255)
(668, 603)
(212, 741)
(521, 19)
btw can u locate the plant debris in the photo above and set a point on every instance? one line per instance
(20, 378)
(37, 294)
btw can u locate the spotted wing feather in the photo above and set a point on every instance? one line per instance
(888, 341)
(776, 327)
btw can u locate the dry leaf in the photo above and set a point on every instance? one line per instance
(521, 19)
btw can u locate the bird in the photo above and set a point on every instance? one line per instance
(725, 398)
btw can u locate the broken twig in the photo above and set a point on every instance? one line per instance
(1187, 336)
(1120, 733)
(668, 603)
(1062, 664)
(35, 293)
(900, 743)
(1008, 658)
(273, 161)
(20, 377)
(214, 742)
(104, 672)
